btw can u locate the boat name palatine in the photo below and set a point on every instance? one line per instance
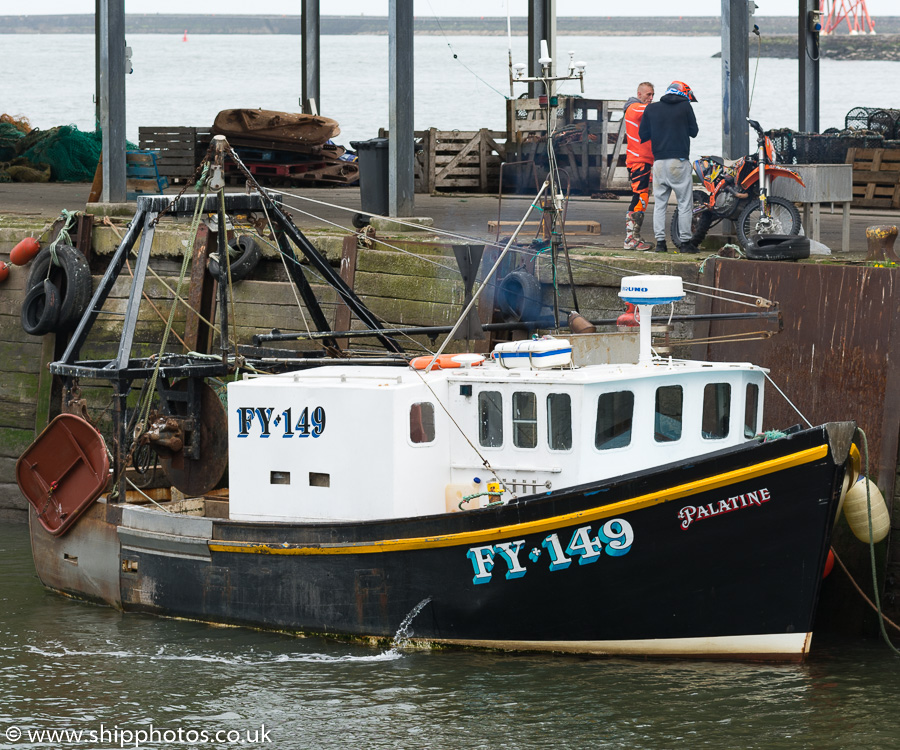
(614, 537)
(690, 513)
(263, 422)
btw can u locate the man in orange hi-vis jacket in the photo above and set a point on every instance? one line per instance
(639, 160)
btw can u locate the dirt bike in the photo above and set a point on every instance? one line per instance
(732, 191)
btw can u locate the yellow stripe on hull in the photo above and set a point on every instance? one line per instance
(532, 527)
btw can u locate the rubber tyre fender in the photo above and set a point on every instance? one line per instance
(783, 203)
(72, 279)
(700, 223)
(243, 264)
(40, 310)
(777, 247)
(519, 296)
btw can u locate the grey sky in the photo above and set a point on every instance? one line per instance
(434, 7)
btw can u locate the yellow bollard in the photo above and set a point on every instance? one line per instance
(881, 242)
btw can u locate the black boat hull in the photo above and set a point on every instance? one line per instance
(719, 557)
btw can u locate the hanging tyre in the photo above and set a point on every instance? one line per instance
(777, 247)
(40, 310)
(519, 296)
(700, 220)
(72, 279)
(783, 218)
(245, 254)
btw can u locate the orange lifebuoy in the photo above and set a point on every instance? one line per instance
(443, 362)
(24, 251)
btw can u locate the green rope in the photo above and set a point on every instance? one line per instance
(884, 634)
(772, 435)
(63, 235)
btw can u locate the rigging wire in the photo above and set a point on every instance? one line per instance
(456, 57)
(582, 263)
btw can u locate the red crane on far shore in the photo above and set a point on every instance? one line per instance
(853, 11)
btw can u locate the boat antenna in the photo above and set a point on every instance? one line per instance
(512, 93)
(553, 203)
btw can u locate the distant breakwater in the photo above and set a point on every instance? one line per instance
(881, 47)
(218, 23)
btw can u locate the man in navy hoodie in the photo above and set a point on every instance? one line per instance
(670, 124)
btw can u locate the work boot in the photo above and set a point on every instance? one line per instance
(688, 247)
(629, 232)
(638, 220)
(661, 247)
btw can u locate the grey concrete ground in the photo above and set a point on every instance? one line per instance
(465, 213)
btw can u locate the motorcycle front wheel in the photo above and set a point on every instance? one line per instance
(701, 220)
(782, 218)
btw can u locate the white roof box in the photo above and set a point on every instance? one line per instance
(534, 353)
(651, 290)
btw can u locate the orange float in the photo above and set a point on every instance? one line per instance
(443, 362)
(24, 251)
(4, 271)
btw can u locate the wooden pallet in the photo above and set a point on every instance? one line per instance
(876, 177)
(177, 148)
(572, 227)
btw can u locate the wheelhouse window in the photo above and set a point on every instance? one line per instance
(421, 422)
(751, 411)
(490, 419)
(524, 419)
(716, 410)
(559, 421)
(667, 419)
(615, 412)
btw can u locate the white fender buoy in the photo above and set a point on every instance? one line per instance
(857, 514)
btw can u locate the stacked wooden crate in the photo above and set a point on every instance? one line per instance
(176, 148)
(876, 177)
(457, 160)
(588, 139)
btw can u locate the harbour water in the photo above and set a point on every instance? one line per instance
(76, 667)
(177, 83)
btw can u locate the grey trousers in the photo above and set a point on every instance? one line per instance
(669, 175)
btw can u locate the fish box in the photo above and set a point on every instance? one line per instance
(534, 353)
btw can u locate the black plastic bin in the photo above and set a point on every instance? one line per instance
(373, 176)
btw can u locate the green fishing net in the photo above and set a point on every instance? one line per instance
(70, 154)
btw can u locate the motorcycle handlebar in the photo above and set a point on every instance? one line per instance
(756, 126)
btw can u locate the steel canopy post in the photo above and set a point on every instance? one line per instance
(735, 78)
(541, 26)
(808, 57)
(401, 196)
(112, 98)
(310, 46)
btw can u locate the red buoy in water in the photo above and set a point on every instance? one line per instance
(24, 251)
(4, 271)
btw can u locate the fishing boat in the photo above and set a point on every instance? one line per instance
(572, 493)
